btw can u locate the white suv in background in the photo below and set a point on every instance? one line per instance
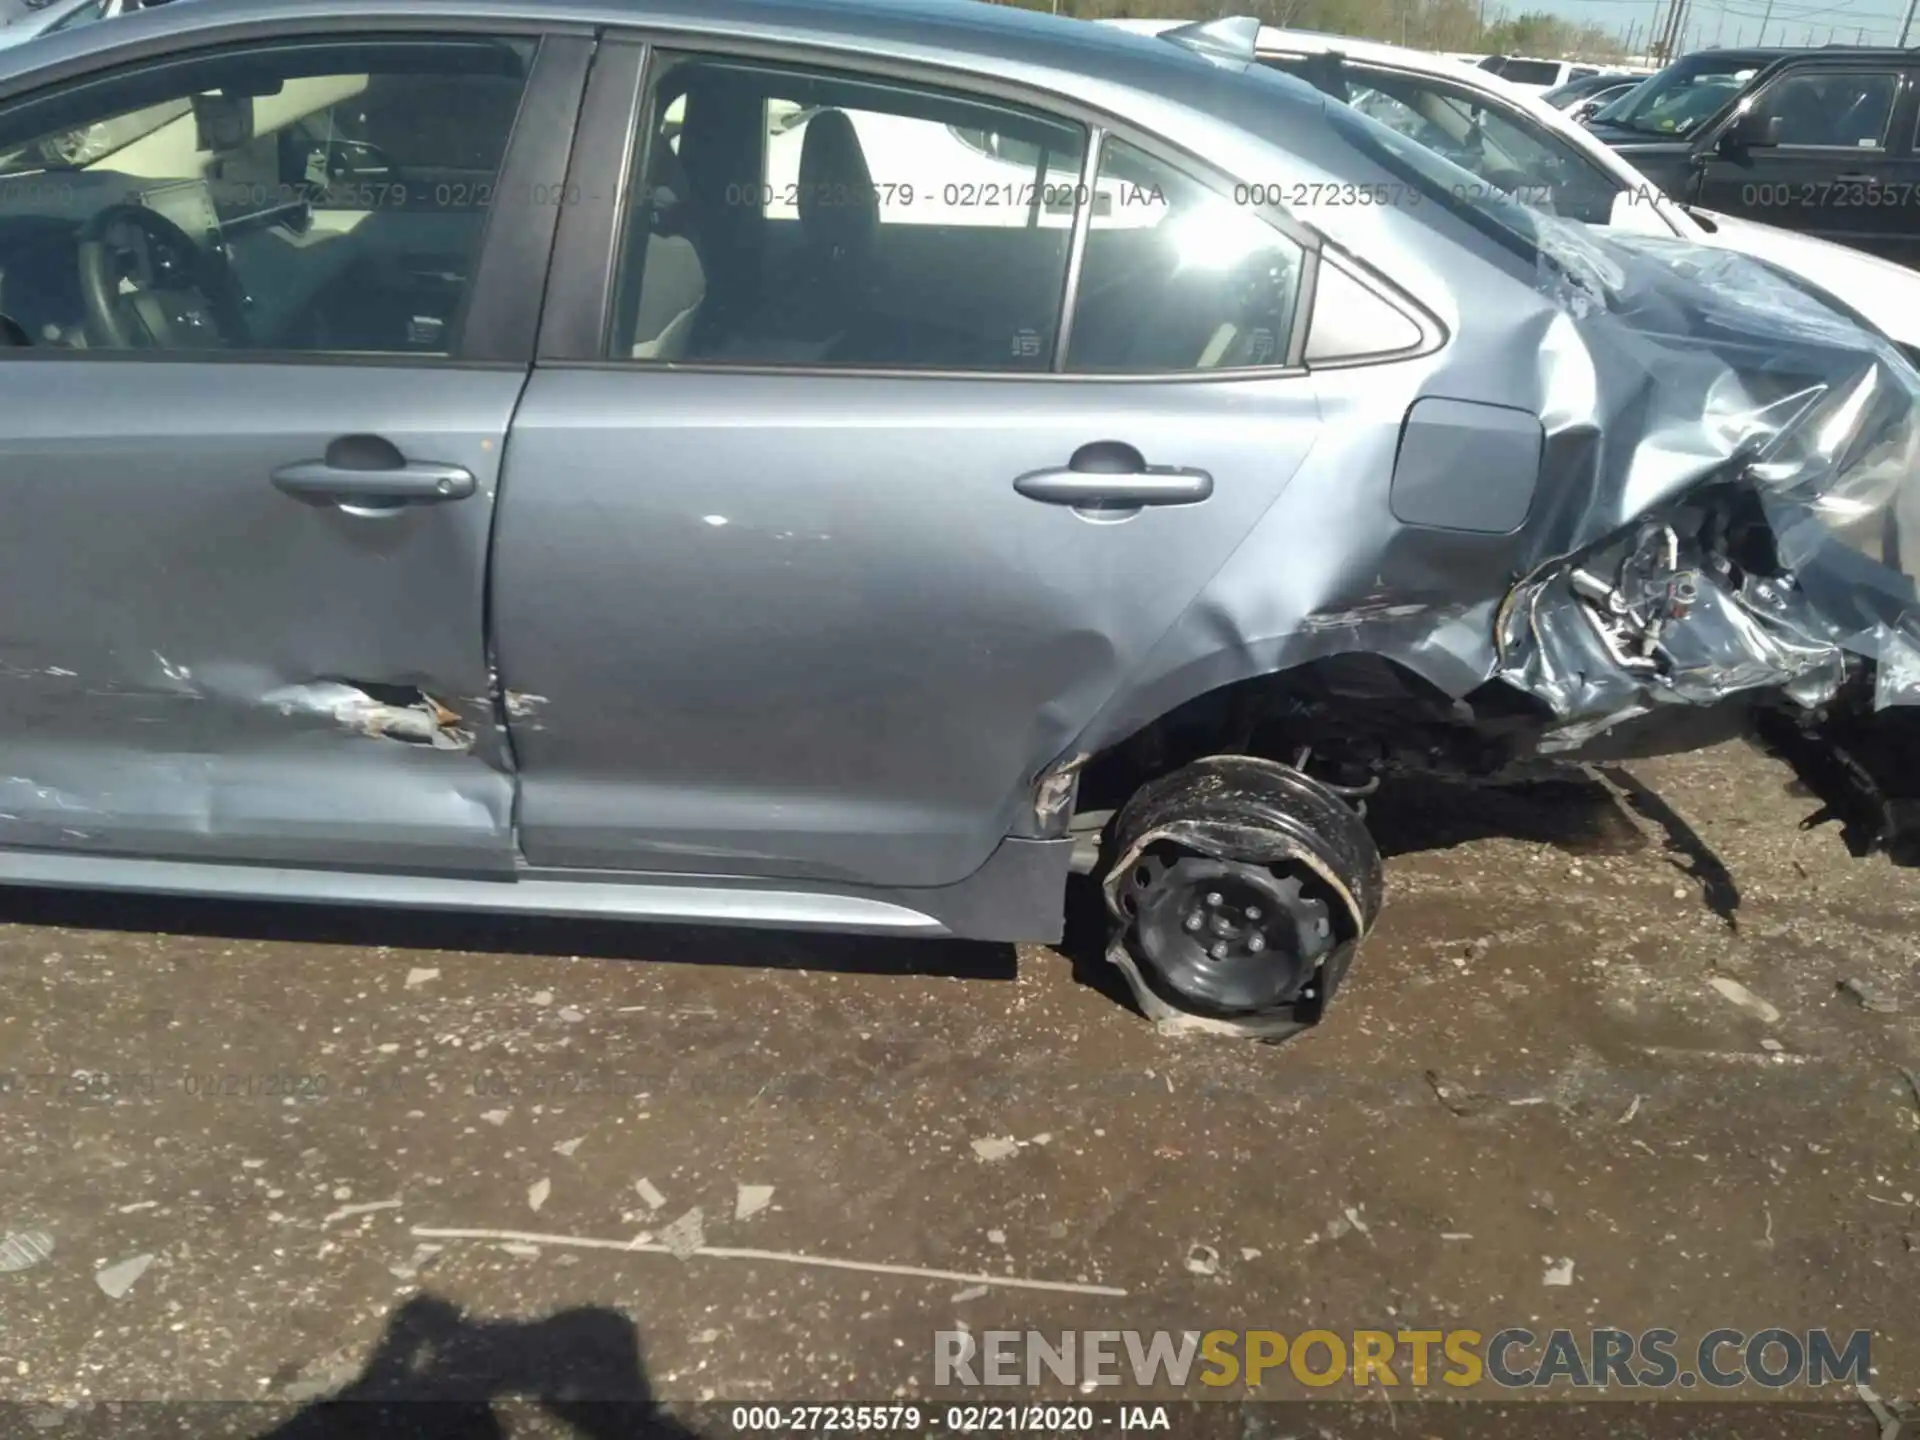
(1514, 140)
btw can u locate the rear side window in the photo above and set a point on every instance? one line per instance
(790, 216)
(1179, 278)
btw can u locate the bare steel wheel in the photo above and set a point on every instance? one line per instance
(1225, 938)
(1238, 890)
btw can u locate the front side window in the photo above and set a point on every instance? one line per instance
(790, 216)
(1832, 109)
(302, 197)
(1177, 278)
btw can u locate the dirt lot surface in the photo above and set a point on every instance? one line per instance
(1595, 1067)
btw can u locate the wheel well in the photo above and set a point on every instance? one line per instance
(1358, 716)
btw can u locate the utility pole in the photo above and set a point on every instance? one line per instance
(1676, 29)
(1720, 25)
(1907, 24)
(1763, 22)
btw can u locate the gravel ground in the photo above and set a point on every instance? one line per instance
(1599, 1038)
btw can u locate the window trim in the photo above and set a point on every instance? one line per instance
(570, 341)
(499, 332)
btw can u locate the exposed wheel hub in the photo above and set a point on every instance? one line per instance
(1226, 937)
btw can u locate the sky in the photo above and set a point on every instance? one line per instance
(1737, 22)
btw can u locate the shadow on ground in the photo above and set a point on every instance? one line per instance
(437, 1372)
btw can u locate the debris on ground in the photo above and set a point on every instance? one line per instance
(1868, 997)
(1455, 1096)
(538, 1191)
(1743, 997)
(115, 1280)
(1559, 1272)
(750, 1200)
(1203, 1260)
(567, 1147)
(684, 1237)
(419, 976)
(409, 1269)
(995, 1147)
(21, 1250)
(649, 1192)
(347, 1212)
(1913, 1084)
(1891, 1417)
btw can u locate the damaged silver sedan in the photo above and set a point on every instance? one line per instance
(850, 465)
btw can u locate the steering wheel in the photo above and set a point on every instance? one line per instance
(145, 285)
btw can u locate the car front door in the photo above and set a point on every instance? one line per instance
(1842, 165)
(828, 541)
(250, 437)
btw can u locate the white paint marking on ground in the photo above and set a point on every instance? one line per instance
(730, 1252)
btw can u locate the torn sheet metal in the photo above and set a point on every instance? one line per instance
(422, 720)
(1746, 536)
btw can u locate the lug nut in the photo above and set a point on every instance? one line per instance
(1215, 898)
(1194, 921)
(1253, 912)
(1219, 951)
(1256, 943)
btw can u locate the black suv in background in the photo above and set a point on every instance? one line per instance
(1820, 141)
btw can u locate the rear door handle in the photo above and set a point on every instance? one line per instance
(366, 472)
(1144, 487)
(1111, 476)
(1857, 178)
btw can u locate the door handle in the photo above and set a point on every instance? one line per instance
(1110, 476)
(1857, 178)
(366, 472)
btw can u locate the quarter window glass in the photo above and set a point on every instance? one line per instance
(1846, 110)
(305, 197)
(1177, 277)
(788, 216)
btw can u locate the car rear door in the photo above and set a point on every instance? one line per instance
(798, 577)
(1844, 167)
(244, 562)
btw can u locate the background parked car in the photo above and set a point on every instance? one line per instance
(1821, 141)
(1582, 98)
(1530, 73)
(23, 20)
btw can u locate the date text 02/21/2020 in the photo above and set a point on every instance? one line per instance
(952, 1419)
